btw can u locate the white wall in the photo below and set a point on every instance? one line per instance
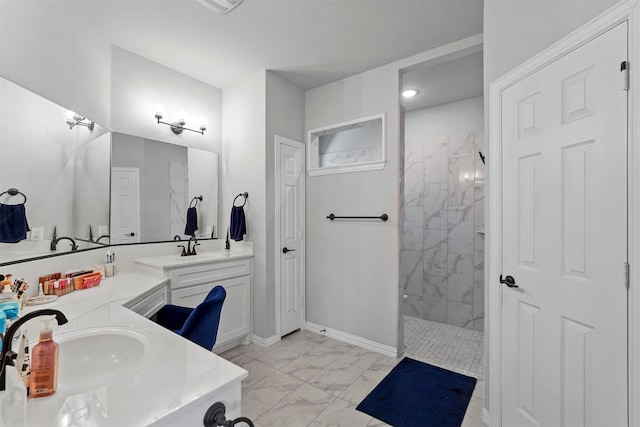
(514, 31)
(284, 117)
(255, 111)
(446, 119)
(56, 50)
(352, 267)
(92, 186)
(138, 83)
(243, 169)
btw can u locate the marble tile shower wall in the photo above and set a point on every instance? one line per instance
(442, 255)
(349, 157)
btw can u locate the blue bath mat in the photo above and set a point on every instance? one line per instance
(416, 394)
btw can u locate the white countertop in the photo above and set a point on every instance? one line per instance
(175, 372)
(172, 261)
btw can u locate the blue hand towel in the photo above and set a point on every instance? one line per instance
(192, 222)
(13, 223)
(238, 226)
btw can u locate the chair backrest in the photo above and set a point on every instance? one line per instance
(201, 326)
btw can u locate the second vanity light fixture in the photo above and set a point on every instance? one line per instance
(75, 119)
(178, 126)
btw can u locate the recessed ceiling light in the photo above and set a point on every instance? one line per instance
(409, 93)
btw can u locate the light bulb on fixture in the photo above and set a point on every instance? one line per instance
(409, 93)
(178, 126)
(158, 110)
(203, 123)
(182, 117)
(74, 119)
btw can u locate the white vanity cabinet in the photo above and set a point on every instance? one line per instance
(148, 303)
(190, 285)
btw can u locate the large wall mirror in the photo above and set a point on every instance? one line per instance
(60, 166)
(73, 178)
(155, 184)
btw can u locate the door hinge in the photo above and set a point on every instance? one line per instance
(627, 274)
(624, 69)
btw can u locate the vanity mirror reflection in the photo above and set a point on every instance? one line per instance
(60, 162)
(153, 186)
(64, 170)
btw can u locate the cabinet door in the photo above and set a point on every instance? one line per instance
(235, 320)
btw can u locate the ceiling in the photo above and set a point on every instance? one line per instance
(307, 42)
(442, 83)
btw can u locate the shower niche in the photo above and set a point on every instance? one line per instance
(352, 146)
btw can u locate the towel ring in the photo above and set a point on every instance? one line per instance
(245, 195)
(196, 199)
(14, 192)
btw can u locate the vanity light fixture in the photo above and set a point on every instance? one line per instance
(75, 119)
(178, 126)
(409, 93)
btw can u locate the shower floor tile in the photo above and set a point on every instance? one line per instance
(458, 349)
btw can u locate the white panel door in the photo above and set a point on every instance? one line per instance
(125, 205)
(290, 213)
(564, 347)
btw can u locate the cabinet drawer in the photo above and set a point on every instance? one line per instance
(149, 305)
(198, 275)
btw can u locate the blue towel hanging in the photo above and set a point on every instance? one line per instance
(13, 223)
(238, 227)
(192, 222)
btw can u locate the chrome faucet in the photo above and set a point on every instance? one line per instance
(7, 354)
(54, 243)
(190, 250)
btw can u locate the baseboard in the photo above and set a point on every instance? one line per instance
(485, 417)
(352, 339)
(265, 341)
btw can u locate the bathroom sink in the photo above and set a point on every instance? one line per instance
(93, 357)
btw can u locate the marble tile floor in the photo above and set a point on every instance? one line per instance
(459, 349)
(308, 379)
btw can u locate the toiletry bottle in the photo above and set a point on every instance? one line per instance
(44, 364)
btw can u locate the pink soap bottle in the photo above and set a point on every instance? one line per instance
(44, 364)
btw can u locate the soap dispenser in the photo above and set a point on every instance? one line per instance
(44, 364)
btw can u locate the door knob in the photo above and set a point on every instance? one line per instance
(130, 234)
(509, 281)
(285, 250)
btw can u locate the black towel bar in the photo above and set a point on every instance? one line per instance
(14, 192)
(382, 217)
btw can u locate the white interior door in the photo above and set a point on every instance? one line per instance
(290, 232)
(125, 205)
(564, 144)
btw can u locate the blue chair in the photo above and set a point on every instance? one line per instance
(200, 324)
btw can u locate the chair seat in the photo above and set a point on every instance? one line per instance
(199, 324)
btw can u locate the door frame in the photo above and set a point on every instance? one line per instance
(278, 141)
(626, 10)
